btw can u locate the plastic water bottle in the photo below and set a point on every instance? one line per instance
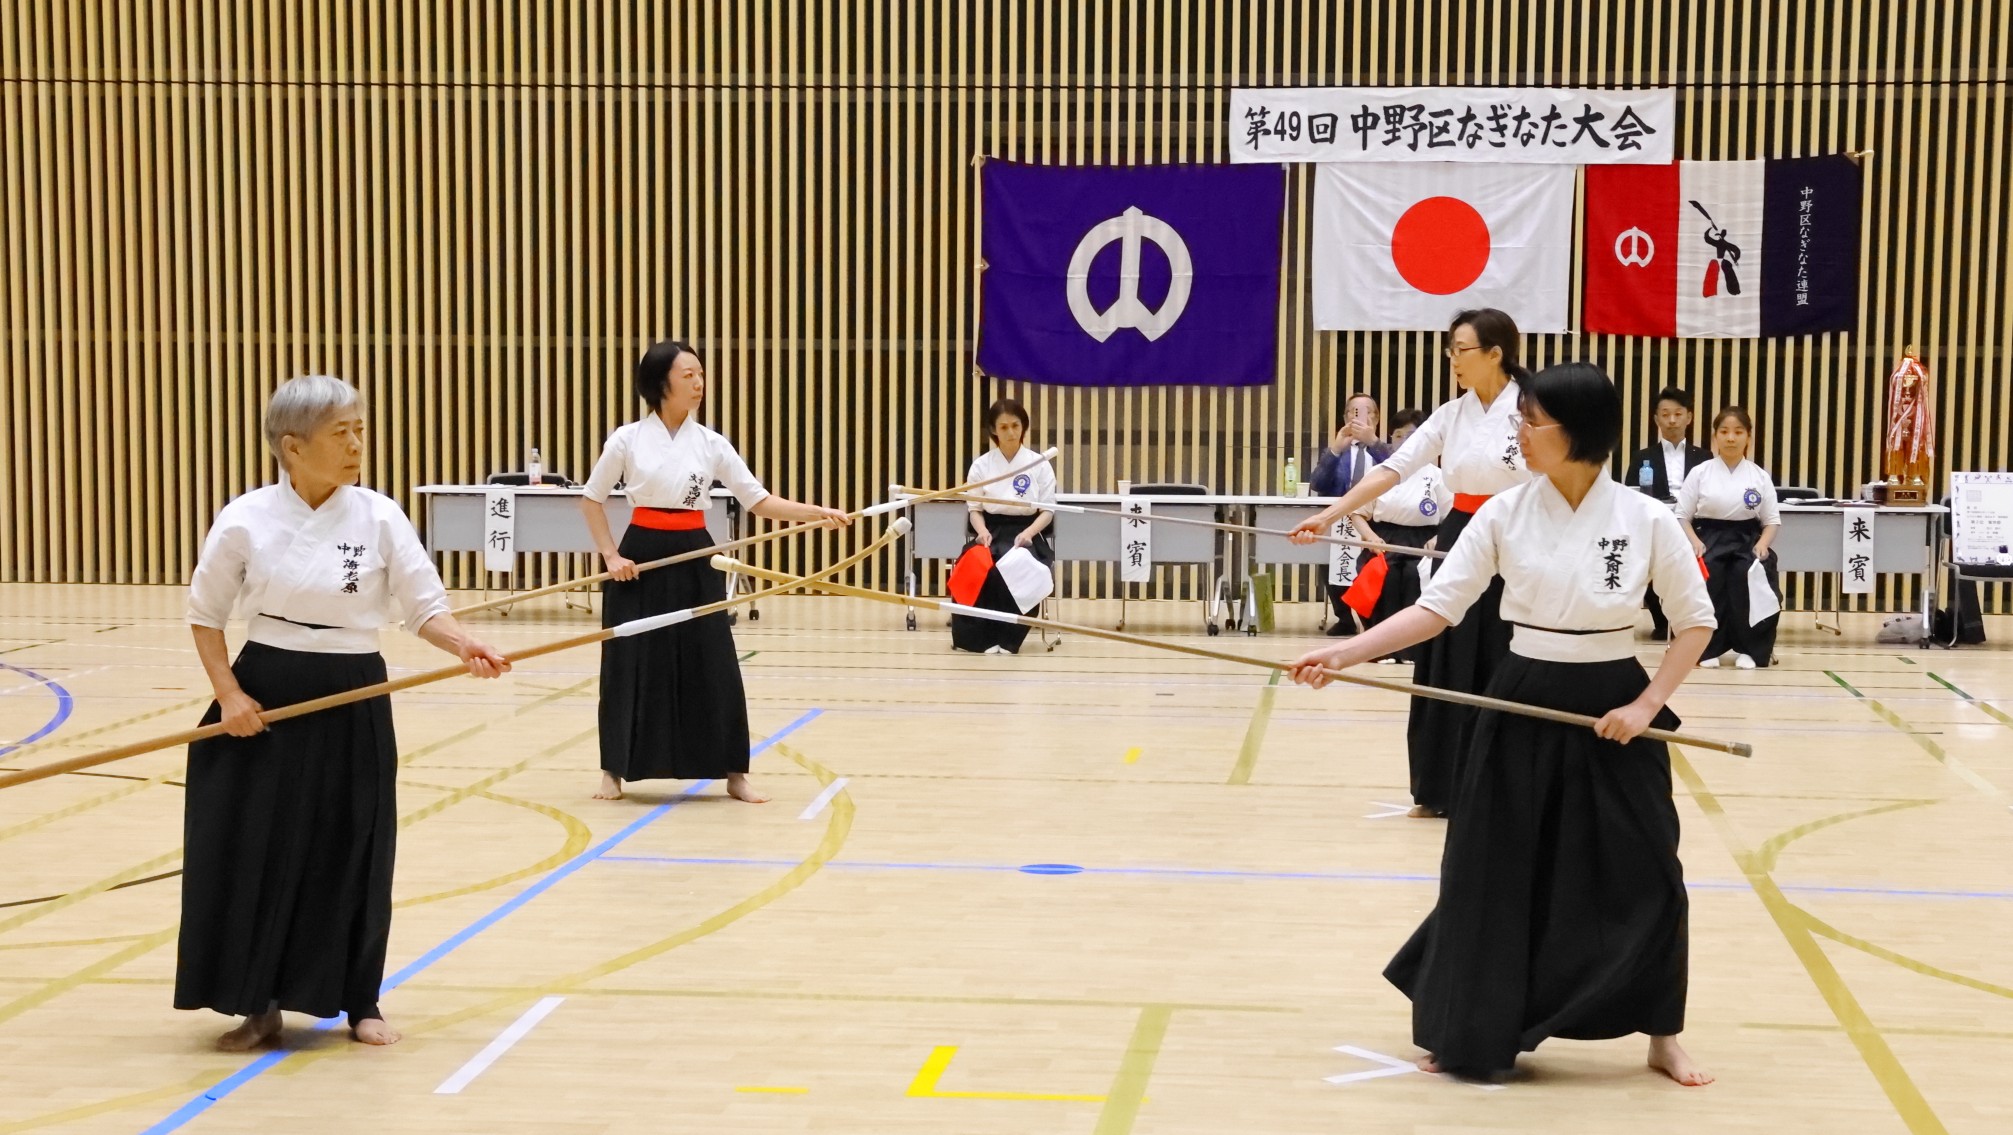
(1646, 477)
(1289, 481)
(532, 470)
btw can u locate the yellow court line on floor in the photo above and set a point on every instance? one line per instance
(1963, 771)
(1880, 1060)
(1987, 707)
(1820, 927)
(924, 1086)
(1898, 1030)
(1128, 1088)
(72, 942)
(1770, 851)
(1254, 735)
(1132, 755)
(578, 836)
(194, 1083)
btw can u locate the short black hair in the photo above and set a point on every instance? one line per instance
(653, 371)
(1406, 417)
(1584, 402)
(1675, 394)
(1355, 394)
(1737, 414)
(1493, 328)
(1006, 406)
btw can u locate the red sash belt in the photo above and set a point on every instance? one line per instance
(1468, 502)
(668, 519)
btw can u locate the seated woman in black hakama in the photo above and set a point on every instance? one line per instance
(1011, 517)
(672, 703)
(1729, 511)
(290, 830)
(1562, 908)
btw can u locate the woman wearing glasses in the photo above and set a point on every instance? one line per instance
(1562, 908)
(1474, 440)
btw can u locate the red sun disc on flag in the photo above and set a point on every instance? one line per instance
(1440, 245)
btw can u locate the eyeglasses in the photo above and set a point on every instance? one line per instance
(1517, 422)
(1454, 352)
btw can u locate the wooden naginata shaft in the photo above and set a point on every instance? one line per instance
(380, 689)
(1477, 701)
(748, 541)
(1371, 545)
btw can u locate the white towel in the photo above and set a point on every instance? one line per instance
(1028, 578)
(1761, 601)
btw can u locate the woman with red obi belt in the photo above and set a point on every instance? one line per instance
(1474, 440)
(672, 704)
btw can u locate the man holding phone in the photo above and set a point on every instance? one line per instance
(1356, 448)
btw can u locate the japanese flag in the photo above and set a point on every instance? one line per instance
(1403, 246)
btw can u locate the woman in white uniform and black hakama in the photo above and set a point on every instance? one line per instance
(1476, 447)
(1729, 509)
(672, 704)
(1562, 908)
(1408, 516)
(289, 833)
(1011, 517)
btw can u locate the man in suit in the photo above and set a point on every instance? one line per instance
(1668, 459)
(1353, 451)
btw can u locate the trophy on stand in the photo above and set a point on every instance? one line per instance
(1909, 448)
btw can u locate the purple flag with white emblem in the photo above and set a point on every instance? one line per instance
(1131, 275)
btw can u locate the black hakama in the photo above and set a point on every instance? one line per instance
(1464, 658)
(1401, 576)
(672, 705)
(1729, 553)
(1562, 908)
(289, 835)
(973, 634)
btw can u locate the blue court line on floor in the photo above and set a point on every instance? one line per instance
(64, 704)
(1214, 873)
(222, 1088)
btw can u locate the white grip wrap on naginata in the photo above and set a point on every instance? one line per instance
(885, 507)
(980, 613)
(654, 622)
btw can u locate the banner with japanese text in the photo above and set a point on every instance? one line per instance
(1528, 125)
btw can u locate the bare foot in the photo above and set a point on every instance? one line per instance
(1428, 1064)
(376, 1031)
(739, 788)
(611, 788)
(253, 1032)
(1668, 1057)
(1421, 812)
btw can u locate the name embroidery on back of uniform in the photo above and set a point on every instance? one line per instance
(1751, 498)
(1021, 483)
(1611, 563)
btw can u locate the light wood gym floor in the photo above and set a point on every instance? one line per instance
(1228, 877)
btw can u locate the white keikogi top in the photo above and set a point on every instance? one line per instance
(1420, 500)
(1474, 445)
(665, 469)
(344, 566)
(1019, 495)
(1714, 492)
(1572, 570)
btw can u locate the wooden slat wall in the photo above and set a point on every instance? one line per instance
(481, 212)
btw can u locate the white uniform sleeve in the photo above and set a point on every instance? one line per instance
(1687, 505)
(1768, 512)
(976, 473)
(414, 585)
(220, 575)
(1464, 575)
(731, 471)
(1425, 444)
(610, 467)
(1044, 484)
(1674, 573)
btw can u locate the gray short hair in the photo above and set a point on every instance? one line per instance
(303, 405)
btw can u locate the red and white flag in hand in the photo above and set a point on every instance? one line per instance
(1403, 246)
